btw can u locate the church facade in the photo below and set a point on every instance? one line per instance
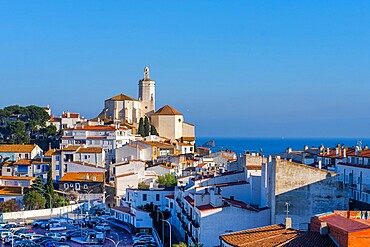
(127, 110)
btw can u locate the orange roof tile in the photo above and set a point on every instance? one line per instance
(90, 150)
(71, 115)
(83, 177)
(99, 128)
(16, 178)
(167, 110)
(122, 97)
(17, 148)
(23, 162)
(49, 152)
(70, 148)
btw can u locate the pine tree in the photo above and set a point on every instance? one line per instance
(141, 127)
(49, 189)
(146, 126)
(153, 130)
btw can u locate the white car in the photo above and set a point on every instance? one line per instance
(3, 235)
(56, 236)
(145, 239)
(103, 226)
(34, 236)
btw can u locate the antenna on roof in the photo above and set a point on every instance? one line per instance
(287, 209)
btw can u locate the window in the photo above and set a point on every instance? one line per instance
(7, 169)
(85, 186)
(57, 158)
(157, 197)
(171, 204)
(57, 167)
(66, 186)
(191, 149)
(26, 155)
(77, 186)
(145, 197)
(38, 167)
(85, 157)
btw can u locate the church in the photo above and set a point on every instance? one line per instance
(127, 111)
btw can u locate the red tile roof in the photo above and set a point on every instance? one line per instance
(83, 177)
(98, 128)
(167, 110)
(189, 200)
(71, 115)
(23, 162)
(122, 97)
(171, 196)
(276, 235)
(17, 148)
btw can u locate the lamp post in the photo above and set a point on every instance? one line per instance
(170, 232)
(88, 199)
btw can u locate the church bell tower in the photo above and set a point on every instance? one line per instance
(147, 93)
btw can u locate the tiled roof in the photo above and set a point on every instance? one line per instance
(189, 200)
(11, 190)
(167, 110)
(49, 152)
(125, 175)
(276, 235)
(348, 225)
(16, 178)
(83, 177)
(171, 196)
(159, 144)
(17, 148)
(71, 148)
(89, 150)
(254, 167)
(24, 162)
(99, 128)
(54, 119)
(71, 115)
(122, 97)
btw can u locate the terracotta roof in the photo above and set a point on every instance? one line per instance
(189, 200)
(254, 167)
(71, 115)
(54, 119)
(347, 225)
(17, 148)
(171, 196)
(158, 144)
(83, 177)
(16, 178)
(11, 190)
(49, 152)
(70, 148)
(184, 144)
(98, 128)
(122, 97)
(90, 150)
(276, 235)
(24, 162)
(167, 110)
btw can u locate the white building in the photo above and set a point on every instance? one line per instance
(14, 152)
(136, 218)
(107, 137)
(76, 159)
(141, 197)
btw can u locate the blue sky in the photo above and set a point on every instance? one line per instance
(233, 68)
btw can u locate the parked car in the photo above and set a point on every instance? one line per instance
(56, 236)
(38, 223)
(4, 234)
(34, 237)
(103, 226)
(23, 233)
(72, 234)
(139, 235)
(10, 238)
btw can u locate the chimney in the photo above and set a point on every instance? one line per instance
(327, 151)
(288, 223)
(336, 151)
(320, 164)
(323, 228)
(305, 147)
(68, 114)
(344, 153)
(289, 150)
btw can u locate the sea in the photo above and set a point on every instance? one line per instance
(273, 146)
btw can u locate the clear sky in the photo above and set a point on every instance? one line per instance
(233, 68)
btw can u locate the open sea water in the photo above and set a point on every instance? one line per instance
(273, 146)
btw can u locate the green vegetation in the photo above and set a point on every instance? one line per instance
(38, 197)
(141, 127)
(153, 131)
(167, 181)
(20, 124)
(146, 126)
(9, 206)
(179, 245)
(143, 186)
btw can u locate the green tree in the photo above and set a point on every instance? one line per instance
(33, 200)
(9, 206)
(16, 133)
(38, 185)
(146, 126)
(48, 131)
(167, 181)
(60, 201)
(49, 189)
(179, 245)
(142, 186)
(153, 130)
(141, 127)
